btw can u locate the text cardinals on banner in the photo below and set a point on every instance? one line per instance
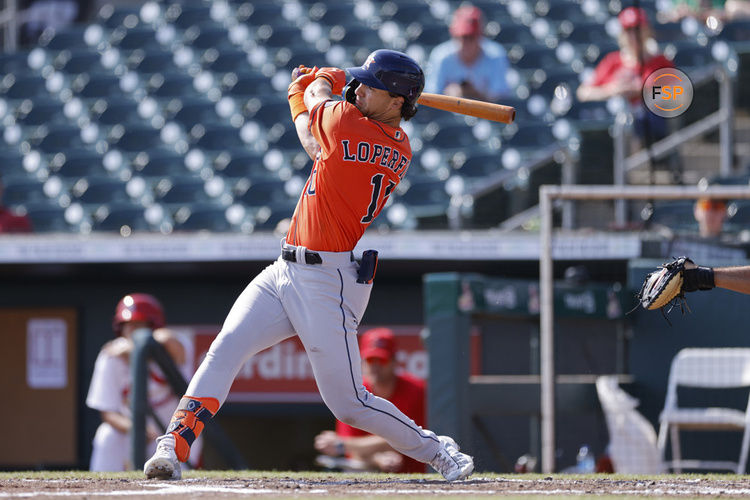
(282, 373)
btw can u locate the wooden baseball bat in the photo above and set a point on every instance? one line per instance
(471, 107)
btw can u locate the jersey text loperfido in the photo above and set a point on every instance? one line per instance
(361, 162)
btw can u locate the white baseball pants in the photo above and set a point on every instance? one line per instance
(322, 304)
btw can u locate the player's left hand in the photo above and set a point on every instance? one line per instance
(335, 76)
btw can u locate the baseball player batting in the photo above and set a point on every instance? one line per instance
(316, 290)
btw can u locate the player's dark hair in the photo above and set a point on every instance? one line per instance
(408, 110)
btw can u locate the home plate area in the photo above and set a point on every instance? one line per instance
(333, 485)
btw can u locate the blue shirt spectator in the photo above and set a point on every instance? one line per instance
(468, 65)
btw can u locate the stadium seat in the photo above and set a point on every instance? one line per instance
(531, 136)
(283, 137)
(97, 190)
(181, 191)
(77, 162)
(39, 111)
(268, 218)
(246, 84)
(202, 217)
(274, 109)
(191, 111)
(736, 31)
(14, 63)
(186, 15)
(558, 12)
(19, 191)
(427, 34)
(68, 37)
(536, 57)
(225, 60)
(450, 136)
(355, 35)
(264, 193)
(115, 109)
(115, 216)
(587, 33)
(159, 162)
(22, 86)
(140, 37)
(514, 34)
(113, 17)
(170, 84)
(259, 13)
(134, 137)
(56, 137)
(279, 35)
(206, 36)
(96, 85)
(670, 32)
(215, 136)
(241, 163)
(477, 165)
(47, 217)
(688, 55)
(426, 198)
(330, 13)
(77, 61)
(12, 164)
(152, 60)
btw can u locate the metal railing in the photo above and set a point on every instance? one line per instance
(9, 25)
(722, 119)
(145, 347)
(547, 194)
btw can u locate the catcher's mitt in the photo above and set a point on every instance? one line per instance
(664, 286)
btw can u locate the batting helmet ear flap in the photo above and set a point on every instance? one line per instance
(350, 89)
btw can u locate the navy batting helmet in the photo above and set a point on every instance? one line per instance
(389, 70)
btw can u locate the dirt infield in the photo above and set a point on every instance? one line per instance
(297, 485)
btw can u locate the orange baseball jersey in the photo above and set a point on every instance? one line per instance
(361, 162)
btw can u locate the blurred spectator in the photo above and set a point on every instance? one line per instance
(407, 392)
(38, 15)
(10, 222)
(623, 72)
(468, 65)
(710, 215)
(111, 383)
(723, 10)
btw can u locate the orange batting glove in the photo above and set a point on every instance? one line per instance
(336, 77)
(296, 90)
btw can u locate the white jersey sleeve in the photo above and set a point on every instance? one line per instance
(109, 384)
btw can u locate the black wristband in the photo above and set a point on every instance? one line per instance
(699, 278)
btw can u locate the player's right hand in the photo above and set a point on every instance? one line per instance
(305, 77)
(302, 70)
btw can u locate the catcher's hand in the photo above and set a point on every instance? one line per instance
(670, 282)
(664, 285)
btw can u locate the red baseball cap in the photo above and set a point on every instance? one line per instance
(467, 21)
(378, 343)
(632, 17)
